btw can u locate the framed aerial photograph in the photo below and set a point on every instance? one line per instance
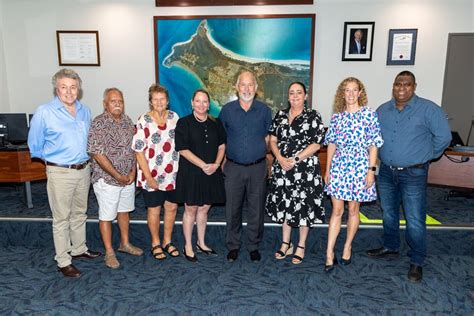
(78, 48)
(401, 46)
(209, 52)
(358, 41)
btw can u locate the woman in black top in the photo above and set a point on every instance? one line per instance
(200, 140)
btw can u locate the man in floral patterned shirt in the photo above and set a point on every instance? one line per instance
(113, 172)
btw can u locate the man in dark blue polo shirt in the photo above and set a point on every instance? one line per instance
(246, 122)
(415, 131)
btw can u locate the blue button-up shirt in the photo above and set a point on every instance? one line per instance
(246, 130)
(415, 135)
(56, 136)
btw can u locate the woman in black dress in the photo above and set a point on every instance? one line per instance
(200, 140)
(295, 193)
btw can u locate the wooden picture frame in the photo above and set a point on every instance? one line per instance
(360, 50)
(208, 52)
(210, 3)
(78, 48)
(401, 46)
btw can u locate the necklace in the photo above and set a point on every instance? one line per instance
(291, 116)
(198, 119)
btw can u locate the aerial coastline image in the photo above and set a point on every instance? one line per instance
(209, 53)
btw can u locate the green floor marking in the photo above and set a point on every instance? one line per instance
(365, 220)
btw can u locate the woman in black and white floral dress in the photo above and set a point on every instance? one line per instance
(295, 192)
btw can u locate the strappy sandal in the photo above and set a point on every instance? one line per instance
(280, 255)
(158, 255)
(297, 259)
(173, 253)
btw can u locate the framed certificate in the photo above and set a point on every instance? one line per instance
(78, 48)
(401, 46)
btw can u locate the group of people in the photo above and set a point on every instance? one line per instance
(199, 160)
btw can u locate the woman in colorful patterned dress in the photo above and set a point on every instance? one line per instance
(157, 160)
(295, 191)
(353, 138)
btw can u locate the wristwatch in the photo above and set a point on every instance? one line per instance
(297, 159)
(372, 168)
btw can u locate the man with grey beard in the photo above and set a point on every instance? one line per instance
(246, 122)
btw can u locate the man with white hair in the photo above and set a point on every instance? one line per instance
(246, 122)
(58, 135)
(113, 173)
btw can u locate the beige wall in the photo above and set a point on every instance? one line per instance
(4, 96)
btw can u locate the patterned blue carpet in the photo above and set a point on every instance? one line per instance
(456, 211)
(30, 283)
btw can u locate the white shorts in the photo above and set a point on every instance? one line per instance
(113, 199)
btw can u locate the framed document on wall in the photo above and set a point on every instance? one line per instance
(401, 46)
(78, 48)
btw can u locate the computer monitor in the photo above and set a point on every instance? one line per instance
(456, 140)
(16, 127)
(30, 117)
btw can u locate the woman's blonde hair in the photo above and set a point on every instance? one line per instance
(340, 102)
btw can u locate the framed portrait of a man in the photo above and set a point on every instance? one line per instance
(358, 41)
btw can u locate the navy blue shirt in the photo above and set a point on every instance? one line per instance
(415, 135)
(246, 130)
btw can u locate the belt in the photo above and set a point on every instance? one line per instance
(418, 166)
(247, 164)
(78, 166)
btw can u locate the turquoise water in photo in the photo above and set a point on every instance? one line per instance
(275, 39)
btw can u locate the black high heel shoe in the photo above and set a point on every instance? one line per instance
(346, 262)
(280, 255)
(210, 252)
(189, 258)
(330, 267)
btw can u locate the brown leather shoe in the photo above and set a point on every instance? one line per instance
(70, 271)
(88, 254)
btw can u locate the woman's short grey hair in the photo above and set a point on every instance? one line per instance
(67, 73)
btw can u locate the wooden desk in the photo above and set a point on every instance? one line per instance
(16, 166)
(449, 173)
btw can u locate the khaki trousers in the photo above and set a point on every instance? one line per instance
(68, 191)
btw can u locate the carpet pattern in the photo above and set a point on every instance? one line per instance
(456, 211)
(31, 285)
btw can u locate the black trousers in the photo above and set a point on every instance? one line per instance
(245, 183)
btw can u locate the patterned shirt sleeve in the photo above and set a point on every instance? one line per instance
(94, 141)
(331, 133)
(138, 142)
(317, 128)
(275, 123)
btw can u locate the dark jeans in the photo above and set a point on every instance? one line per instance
(406, 187)
(245, 183)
